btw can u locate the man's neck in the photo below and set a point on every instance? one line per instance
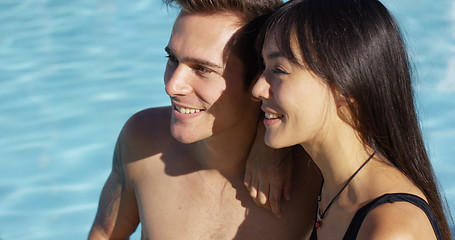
(227, 152)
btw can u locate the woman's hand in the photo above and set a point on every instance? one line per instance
(268, 173)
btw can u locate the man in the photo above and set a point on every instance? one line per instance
(179, 170)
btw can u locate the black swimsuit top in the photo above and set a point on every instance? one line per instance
(360, 215)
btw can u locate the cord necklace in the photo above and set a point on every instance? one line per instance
(320, 216)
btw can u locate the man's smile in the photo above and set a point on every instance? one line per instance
(186, 110)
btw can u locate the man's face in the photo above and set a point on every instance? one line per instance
(207, 91)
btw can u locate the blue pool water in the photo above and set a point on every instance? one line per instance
(72, 72)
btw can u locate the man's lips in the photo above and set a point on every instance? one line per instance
(186, 110)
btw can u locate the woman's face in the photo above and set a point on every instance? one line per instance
(298, 105)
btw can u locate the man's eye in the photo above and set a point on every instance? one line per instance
(171, 58)
(202, 70)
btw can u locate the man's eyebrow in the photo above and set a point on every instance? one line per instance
(169, 51)
(194, 60)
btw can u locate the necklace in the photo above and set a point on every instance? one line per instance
(320, 216)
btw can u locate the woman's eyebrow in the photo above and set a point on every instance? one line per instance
(273, 55)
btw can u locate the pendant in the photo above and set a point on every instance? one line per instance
(317, 224)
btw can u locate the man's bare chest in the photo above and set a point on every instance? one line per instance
(188, 209)
(204, 206)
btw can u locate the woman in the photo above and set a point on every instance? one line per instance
(337, 81)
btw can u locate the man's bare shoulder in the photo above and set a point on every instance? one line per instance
(146, 142)
(147, 126)
(146, 134)
(151, 121)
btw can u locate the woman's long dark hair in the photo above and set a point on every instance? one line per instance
(357, 48)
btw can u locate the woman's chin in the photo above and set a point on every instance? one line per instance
(275, 143)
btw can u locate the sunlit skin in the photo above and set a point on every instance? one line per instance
(179, 170)
(298, 101)
(302, 109)
(196, 76)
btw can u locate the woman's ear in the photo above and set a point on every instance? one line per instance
(344, 106)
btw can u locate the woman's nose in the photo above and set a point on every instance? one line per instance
(261, 88)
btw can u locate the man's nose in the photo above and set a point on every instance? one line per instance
(261, 88)
(177, 82)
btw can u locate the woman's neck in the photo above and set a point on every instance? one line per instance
(338, 156)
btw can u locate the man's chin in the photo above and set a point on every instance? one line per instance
(185, 140)
(184, 137)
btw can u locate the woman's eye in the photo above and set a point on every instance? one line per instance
(279, 71)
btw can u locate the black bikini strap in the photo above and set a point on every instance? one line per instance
(360, 215)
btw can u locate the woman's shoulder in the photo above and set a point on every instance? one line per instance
(397, 220)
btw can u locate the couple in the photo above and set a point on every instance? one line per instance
(335, 81)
